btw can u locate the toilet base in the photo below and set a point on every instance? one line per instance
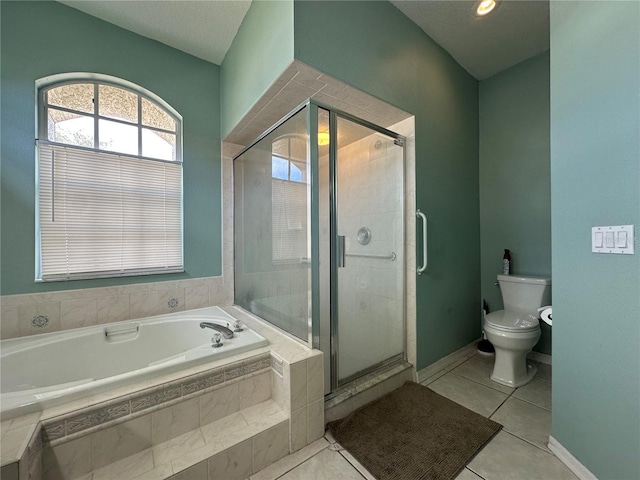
(510, 379)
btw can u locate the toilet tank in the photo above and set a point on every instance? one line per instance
(525, 294)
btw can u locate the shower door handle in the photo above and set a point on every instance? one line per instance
(342, 251)
(423, 217)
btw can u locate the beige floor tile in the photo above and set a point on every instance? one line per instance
(327, 465)
(476, 397)
(537, 392)
(525, 420)
(507, 457)
(467, 474)
(433, 377)
(479, 371)
(289, 462)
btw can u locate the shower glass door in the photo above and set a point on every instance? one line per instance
(369, 190)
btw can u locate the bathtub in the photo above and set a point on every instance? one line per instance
(41, 371)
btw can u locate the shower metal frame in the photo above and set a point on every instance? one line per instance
(314, 317)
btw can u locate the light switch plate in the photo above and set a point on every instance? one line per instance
(613, 239)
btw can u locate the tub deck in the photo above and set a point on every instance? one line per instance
(296, 393)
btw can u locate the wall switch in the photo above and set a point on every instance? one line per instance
(614, 239)
(597, 242)
(608, 239)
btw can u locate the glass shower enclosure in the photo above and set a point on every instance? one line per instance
(319, 238)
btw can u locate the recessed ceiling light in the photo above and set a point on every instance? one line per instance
(323, 138)
(485, 7)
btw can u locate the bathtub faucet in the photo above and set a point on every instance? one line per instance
(226, 333)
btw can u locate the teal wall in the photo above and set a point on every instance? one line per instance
(595, 180)
(260, 52)
(515, 181)
(44, 38)
(374, 47)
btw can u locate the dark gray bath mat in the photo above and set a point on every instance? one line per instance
(414, 433)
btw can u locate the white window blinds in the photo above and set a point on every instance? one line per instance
(104, 214)
(289, 221)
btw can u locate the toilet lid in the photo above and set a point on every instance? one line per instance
(512, 321)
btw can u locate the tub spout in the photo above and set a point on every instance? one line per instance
(226, 333)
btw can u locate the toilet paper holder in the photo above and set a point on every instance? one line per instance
(545, 314)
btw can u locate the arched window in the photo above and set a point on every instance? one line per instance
(109, 180)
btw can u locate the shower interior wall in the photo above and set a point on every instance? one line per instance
(370, 193)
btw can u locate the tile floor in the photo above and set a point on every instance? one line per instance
(519, 451)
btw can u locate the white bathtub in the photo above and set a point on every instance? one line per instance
(49, 369)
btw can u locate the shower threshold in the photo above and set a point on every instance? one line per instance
(367, 388)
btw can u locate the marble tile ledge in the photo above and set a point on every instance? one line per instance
(288, 349)
(16, 435)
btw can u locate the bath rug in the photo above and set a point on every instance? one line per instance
(414, 433)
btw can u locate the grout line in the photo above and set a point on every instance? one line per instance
(483, 384)
(354, 466)
(474, 472)
(529, 442)
(498, 408)
(297, 465)
(531, 403)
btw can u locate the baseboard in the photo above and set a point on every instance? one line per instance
(570, 461)
(540, 357)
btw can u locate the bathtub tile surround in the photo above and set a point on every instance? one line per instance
(28, 316)
(146, 400)
(172, 432)
(93, 306)
(297, 381)
(234, 463)
(21, 449)
(228, 418)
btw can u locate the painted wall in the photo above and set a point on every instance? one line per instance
(260, 52)
(43, 38)
(389, 57)
(595, 180)
(515, 181)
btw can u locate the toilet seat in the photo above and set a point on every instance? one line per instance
(514, 322)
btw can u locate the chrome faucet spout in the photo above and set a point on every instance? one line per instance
(226, 333)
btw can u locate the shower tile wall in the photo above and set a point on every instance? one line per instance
(370, 195)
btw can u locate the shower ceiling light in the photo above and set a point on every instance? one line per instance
(323, 138)
(485, 7)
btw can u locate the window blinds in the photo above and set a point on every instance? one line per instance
(289, 217)
(106, 214)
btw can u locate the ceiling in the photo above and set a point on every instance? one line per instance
(203, 28)
(515, 31)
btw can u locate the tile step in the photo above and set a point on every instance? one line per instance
(248, 431)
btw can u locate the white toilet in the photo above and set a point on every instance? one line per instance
(516, 329)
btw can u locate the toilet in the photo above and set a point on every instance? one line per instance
(516, 329)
